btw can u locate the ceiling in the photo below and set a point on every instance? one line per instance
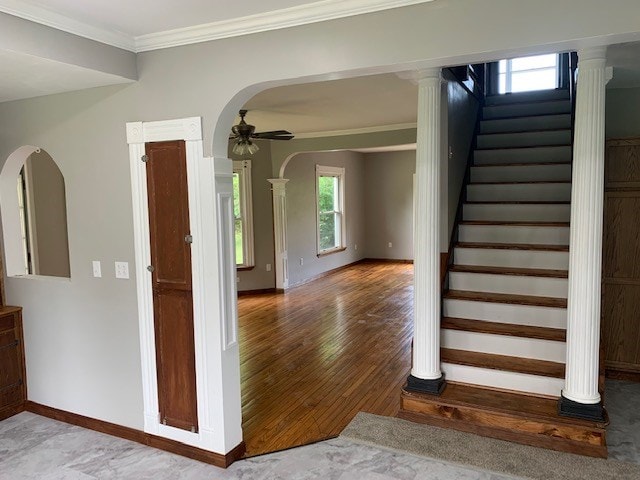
(356, 105)
(24, 76)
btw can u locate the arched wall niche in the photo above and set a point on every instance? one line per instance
(34, 215)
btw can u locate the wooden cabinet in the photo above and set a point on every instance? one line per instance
(621, 259)
(13, 387)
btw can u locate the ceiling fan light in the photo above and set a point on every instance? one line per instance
(245, 147)
(252, 148)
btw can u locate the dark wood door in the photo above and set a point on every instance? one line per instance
(172, 285)
(621, 257)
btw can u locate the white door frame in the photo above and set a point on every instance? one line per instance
(214, 313)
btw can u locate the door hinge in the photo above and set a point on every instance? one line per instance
(150, 268)
(188, 239)
(144, 158)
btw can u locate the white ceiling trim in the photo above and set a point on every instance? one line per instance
(52, 19)
(356, 131)
(283, 18)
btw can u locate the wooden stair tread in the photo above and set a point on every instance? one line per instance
(507, 329)
(524, 224)
(530, 164)
(527, 272)
(507, 363)
(514, 246)
(506, 298)
(509, 403)
(517, 202)
(532, 182)
(537, 130)
(523, 147)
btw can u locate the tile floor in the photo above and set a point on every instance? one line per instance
(33, 447)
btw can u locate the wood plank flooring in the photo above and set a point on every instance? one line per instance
(313, 357)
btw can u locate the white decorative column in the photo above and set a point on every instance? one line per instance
(426, 375)
(278, 187)
(580, 397)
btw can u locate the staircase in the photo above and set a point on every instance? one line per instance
(505, 312)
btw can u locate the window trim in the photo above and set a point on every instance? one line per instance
(243, 169)
(338, 172)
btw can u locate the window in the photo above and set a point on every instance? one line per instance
(528, 73)
(242, 211)
(330, 209)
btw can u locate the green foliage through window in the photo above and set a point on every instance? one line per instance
(237, 214)
(329, 223)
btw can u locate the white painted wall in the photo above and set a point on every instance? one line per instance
(82, 341)
(389, 204)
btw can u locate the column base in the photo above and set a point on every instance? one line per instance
(432, 387)
(585, 411)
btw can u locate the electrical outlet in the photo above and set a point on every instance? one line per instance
(390, 245)
(122, 270)
(301, 261)
(268, 267)
(97, 269)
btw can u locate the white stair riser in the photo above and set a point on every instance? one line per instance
(522, 173)
(531, 315)
(526, 109)
(524, 139)
(514, 192)
(526, 123)
(514, 234)
(504, 380)
(517, 212)
(498, 257)
(522, 97)
(510, 284)
(523, 155)
(504, 345)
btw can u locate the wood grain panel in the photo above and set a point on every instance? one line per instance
(623, 164)
(621, 309)
(313, 357)
(516, 417)
(622, 235)
(172, 284)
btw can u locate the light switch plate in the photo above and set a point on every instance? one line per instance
(97, 269)
(122, 270)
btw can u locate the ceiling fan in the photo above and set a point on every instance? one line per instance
(243, 133)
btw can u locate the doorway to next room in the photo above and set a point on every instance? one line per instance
(312, 358)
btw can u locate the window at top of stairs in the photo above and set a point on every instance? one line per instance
(526, 74)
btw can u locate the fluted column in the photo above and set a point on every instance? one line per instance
(278, 188)
(426, 375)
(580, 396)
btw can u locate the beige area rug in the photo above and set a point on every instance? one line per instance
(481, 452)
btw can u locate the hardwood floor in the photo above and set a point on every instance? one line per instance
(312, 358)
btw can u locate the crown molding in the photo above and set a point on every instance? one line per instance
(357, 131)
(284, 18)
(55, 20)
(287, 17)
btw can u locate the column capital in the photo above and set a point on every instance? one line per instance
(421, 76)
(592, 53)
(278, 185)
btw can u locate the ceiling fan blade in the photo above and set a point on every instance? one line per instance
(275, 137)
(271, 133)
